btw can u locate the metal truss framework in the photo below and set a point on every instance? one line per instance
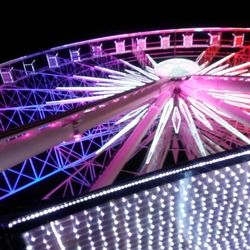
(184, 118)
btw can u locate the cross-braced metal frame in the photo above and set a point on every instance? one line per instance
(102, 103)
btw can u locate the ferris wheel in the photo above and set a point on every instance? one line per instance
(81, 116)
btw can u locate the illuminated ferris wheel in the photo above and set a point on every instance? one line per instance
(81, 116)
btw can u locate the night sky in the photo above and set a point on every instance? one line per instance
(41, 26)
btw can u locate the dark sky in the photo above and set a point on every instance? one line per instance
(41, 26)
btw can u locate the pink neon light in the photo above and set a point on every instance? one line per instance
(77, 137)
(176, 120)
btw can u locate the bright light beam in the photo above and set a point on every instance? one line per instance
(230, 97)
(77, 100)
(89, 89)
(111, 71)
(214, 65)
(149, 75)
(163, 121)
(122, 132)
(218, 119)
(152, 61)
(97, 79)
(214, 71)
(190, 122)
(201, 117)
(131, 114)
(232, 69)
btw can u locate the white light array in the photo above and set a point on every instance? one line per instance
(116, 83)
(118, 188)
(207, 211)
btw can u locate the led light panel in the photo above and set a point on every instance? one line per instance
(205, 210)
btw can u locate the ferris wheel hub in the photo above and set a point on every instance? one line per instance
(176, 67)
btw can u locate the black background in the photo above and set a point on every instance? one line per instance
(31, 27)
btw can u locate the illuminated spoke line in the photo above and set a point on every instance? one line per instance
(215, 146)
(91, 89)
(237, 104)
(230, 97)
(201, 117)
(143, 72)
(106, 80)
(218, 119)
(78, 100)
(122, 132)
(217, 69)
(162, 122)
(151, 60)
(131, 114)
(215, 65)
(190, 122)
(239, 68)
(132, 75)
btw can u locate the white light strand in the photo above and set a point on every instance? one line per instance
(111, 190)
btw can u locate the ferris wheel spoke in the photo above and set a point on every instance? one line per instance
(159, 131)
(188, 142)
(161, 150)
(219, 120)
(130, 145)
(216, 147)
(218, 63)
(234, 64)
(192, 127)
(218, 103)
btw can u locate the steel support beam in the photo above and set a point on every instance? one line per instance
(18, 147)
